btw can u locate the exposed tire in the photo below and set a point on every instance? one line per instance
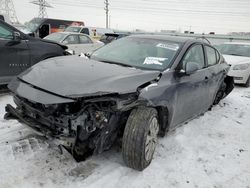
(140, 138)
(247, 84)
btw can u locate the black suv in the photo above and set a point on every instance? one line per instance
(19, 51)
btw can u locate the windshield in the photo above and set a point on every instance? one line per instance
(235, 49)
(57, 37)
(141, 53)
(22, 28)
(34, 24)
(73, 29)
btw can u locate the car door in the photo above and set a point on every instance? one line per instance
(216, 70)
(72, 41)
(191, 90)
(87, 45)
(14, 53)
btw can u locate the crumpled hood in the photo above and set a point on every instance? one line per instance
(236, 60)
(73, 76)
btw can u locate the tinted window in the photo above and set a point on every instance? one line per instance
(71, 39)
(85, 31)
(211, 56)
(195, 54)
(84, 39)
(5, 33)
(139, 52)
(1, 17)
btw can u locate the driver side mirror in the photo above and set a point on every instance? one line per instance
(189, 68)
(15, 40)
(17, 36)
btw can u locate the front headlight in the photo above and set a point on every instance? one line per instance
(241, 66)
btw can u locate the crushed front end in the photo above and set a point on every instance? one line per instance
(87, 125)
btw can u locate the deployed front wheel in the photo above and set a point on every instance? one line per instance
(140, 138)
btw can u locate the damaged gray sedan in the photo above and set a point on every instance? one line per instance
(134, 89)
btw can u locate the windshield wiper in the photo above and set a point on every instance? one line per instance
(116, 63)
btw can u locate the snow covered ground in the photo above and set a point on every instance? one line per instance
(210, 151)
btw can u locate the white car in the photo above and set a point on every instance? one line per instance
(77, 43)
(94, 32)
(237, 54)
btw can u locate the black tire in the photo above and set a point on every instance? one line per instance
(247, 84)
(141, 126)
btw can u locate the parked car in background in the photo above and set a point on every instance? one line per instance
(94, 32)
(238, 56)
(76, 42)
(41, 27)
(19, 51)
(134, 88)
(109, 37)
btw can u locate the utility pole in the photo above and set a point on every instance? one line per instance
(7, 8)
(107, 12)
(109, 21)
(43, 4)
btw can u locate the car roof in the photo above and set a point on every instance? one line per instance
(166, 37)
(90, 27)
(72, 33)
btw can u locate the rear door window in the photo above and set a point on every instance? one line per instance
(84, 39)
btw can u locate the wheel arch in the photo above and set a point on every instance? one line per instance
(163, 119)
(229, 81)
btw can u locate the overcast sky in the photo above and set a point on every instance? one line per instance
(220, 16)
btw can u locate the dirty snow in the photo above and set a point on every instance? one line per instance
(212, 150)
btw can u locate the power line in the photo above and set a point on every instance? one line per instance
(7, 8)
(160, 10)
(43, 4)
